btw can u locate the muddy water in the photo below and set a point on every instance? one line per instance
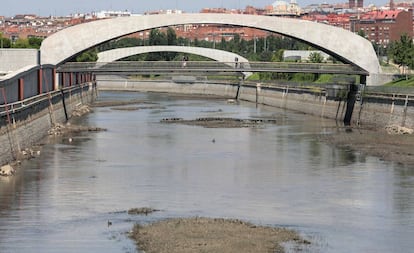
(276, 174)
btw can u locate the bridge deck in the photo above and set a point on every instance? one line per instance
(148, 67)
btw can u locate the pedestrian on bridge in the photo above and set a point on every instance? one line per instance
(185, 59)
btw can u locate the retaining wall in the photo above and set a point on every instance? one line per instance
(381, 110)
(299, 100)
(26, 125)
(374, 110)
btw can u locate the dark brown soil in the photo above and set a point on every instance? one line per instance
(221, 122)
(141, 211)
(375, 142)
(63, 129)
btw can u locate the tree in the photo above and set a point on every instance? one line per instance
(315, 57)
(171, 37)
(21, 43)
(4, 42)
(182, 41)
(362, 33)
(278, 55)
(35, 42)
(196, 42)
(157, 37)
(127, 42)
(235, 43)
(402, 52)
(88, 56)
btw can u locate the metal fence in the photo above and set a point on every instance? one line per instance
(208, 66)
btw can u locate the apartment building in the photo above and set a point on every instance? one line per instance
(383, 26)
(380, 25)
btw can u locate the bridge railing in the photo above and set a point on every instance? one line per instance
(22, 109)
(208, 66)
(139, 65)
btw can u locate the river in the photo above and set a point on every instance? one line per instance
(276, 174)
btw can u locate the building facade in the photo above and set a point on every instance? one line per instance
(383, 27)
(380, 25)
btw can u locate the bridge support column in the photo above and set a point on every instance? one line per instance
(21, 89)
(62, 79)
(241, 82)
(40, 81)
(64, 104)
(70, 79)
(258, 88)
(55, 79)
(351, 98)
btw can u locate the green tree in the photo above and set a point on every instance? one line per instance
(402, 52)
(88, 56)
(362, 33)
(21, 43)
(35, 42)
(4, 42)
(222, 44)
(171, 37)
(157, 37)
(234, 44)
(278, 55)
(127, 42)
(196, 42)
(315, 57)
(183, 41)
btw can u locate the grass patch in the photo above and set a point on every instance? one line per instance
(254, 77)
(403, 82)
(324, 78)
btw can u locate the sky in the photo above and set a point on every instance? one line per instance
(10, 8)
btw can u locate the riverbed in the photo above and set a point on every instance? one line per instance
(75, 196)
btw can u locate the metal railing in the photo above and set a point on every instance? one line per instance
(208, 66)
(13, 108)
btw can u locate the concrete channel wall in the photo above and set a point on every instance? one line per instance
(386, 109)
(374, 110)
(29, 121)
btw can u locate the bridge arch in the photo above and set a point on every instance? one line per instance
(338, 42)
(226, 57)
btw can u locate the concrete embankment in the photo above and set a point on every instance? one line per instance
(25, 123)
(373, 110)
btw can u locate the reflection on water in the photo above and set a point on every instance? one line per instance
(278, 175)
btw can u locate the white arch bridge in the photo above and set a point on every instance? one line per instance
(344, 45)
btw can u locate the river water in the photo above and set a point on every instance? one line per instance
(277, 174)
